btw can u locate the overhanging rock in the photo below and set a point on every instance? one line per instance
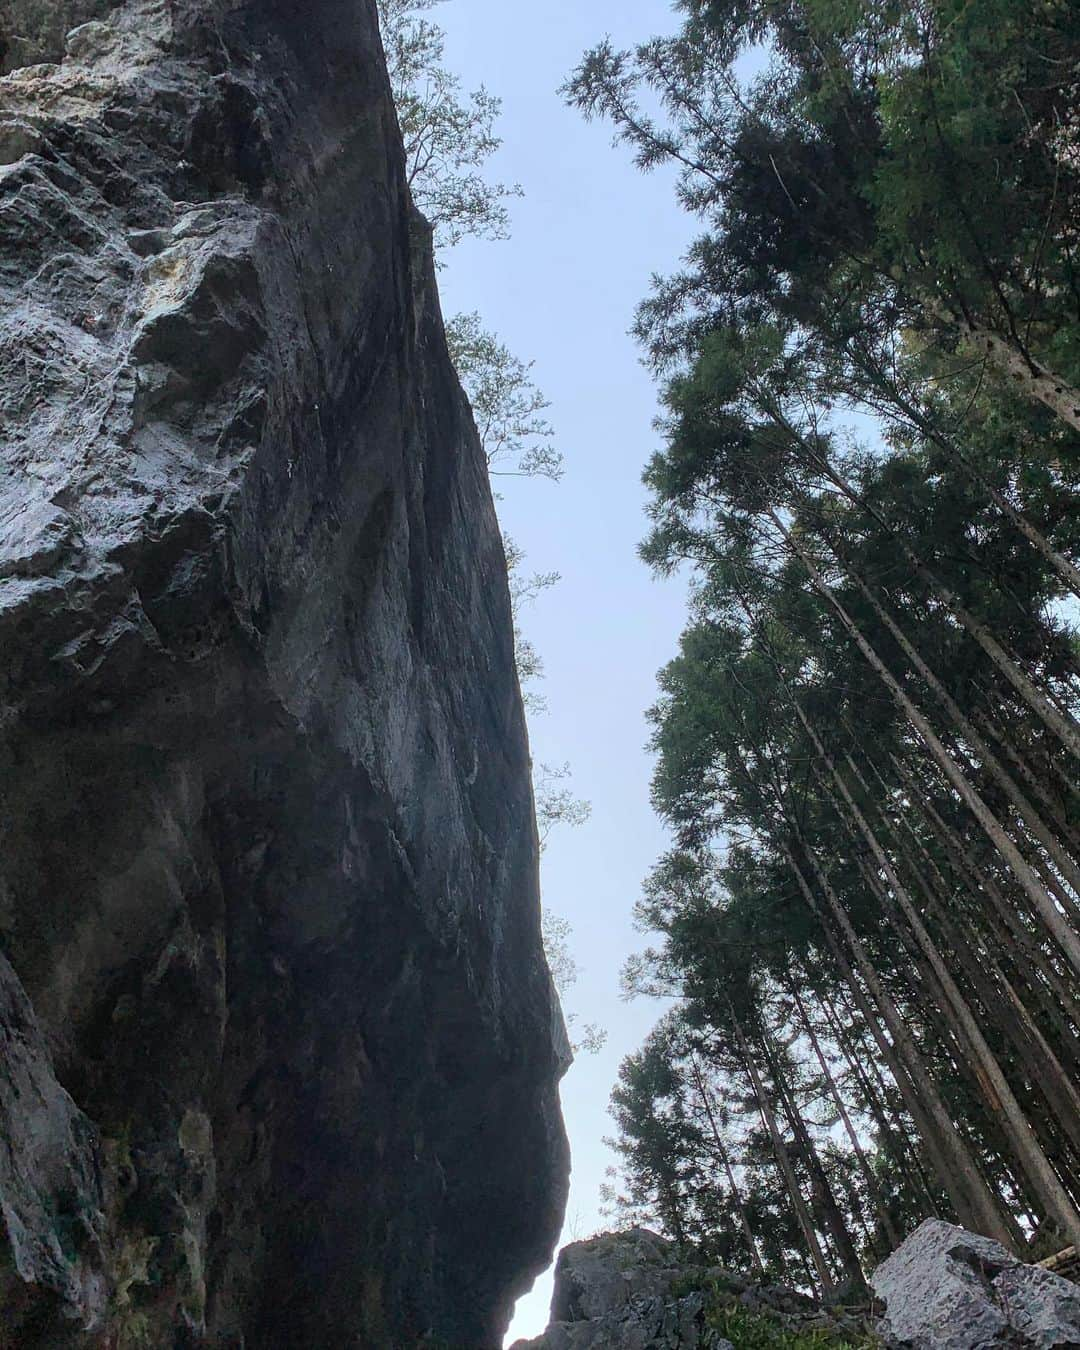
(267, 851)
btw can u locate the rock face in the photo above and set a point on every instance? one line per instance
(278, 1046)
(630, 1291)
(617, 1292)
(946, 1289)
(943, 1289)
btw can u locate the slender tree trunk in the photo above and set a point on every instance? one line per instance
(721, 1148)
(937, 891)
(1053, 885)
(833, 1222)
(910, 410)
(1065, 935)
(993, 932)
(1007, 913)
(1003, 1005)
(953, 1036)
(894, 1132)
(783, 1160)
(1036, 1165)
(956, 1170)
(1034, 781)
(1062, 725)
(991, 763)
(868, 1176)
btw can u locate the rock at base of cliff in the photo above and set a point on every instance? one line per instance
(946, 1289)
(635, 1290)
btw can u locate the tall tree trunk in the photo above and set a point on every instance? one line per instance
(1003, 1006)
(1032, 378)
(1036, 1165)
(872, 1187)
(1035, 781)
(875, 1102)
(911, 411)
(1003, 779)
(1065, 935)
(992, 932)
(783, 1160)
(956, 1170)
(721, 1148)
(953, 1035)
(1061, 724)
(833, 1221)
(981, 882)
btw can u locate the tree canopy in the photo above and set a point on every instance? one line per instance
(449, 134)
(867, 744)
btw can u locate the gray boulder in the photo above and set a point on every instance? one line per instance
(946, 1289)
(642, 1324)
(634, 1290)
(618, 1292)
(605, 1274)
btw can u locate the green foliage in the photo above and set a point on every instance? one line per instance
(449, 135)
(556, 804)
(749, 1331)
(506, 403)
(585, 1038)
(829, 184)
(727, 1319)
(862, 742)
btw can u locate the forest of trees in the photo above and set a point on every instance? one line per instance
(868, 744)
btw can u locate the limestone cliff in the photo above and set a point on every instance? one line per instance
(278, 1045)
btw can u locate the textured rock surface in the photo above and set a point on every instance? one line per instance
(617, 1292)
(630, 1291)
(946, 1289)
(50, 1181)
(32, 31)
(267, 856)
(602, 1275)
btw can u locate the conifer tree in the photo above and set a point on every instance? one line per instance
(869, 743)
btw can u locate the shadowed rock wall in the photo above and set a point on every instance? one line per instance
(278, 1045)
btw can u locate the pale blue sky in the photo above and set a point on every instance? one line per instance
(588, 234)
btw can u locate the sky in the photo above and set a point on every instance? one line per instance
(586, 238)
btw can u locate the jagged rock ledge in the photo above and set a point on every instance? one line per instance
(945, 1289)
(278, 1046)
(632, 1290)
(942, 1289)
